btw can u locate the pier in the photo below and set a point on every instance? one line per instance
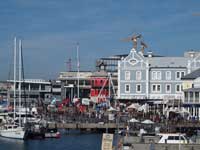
(88, 126)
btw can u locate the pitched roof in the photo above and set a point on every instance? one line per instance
(193, 75)
(168, 61)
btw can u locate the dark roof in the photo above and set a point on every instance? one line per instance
(193, 75)
(192, 90)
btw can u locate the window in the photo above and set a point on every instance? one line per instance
(138, 75)
(156, 88)
(127, 75)
(127, 88)
(156, 75)
(177, 138)
(178, 88)
(196, 97)
(182, 74)
(168, 88)
(170, 137)
(153, 75)
(191, 96)
(138, 88)
(178, 75)
(168, 75)
(186, 96)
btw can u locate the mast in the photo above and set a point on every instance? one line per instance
(78, 69)
(20, 79)
(15, 59)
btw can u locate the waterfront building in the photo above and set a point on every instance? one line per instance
(90, 83)
(149, 77)
(105, 67)
(36, 90)
(191, 89)
(109, 64)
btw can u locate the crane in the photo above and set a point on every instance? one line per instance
(134, 39)
(143, 46)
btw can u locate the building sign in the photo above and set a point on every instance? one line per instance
(85, 101)
(107, 142)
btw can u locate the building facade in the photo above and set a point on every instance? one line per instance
(149, 77)
(36, 91)
(90, 84)
(191, 101)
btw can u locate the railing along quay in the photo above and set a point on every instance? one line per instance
(87, 125)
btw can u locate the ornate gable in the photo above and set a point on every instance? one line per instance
(134, 59)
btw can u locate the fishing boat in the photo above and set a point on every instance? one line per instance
(12, 129)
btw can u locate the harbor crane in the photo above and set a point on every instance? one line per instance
(134, 39)
(143, 46)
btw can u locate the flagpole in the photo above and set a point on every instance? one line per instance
(78, 69)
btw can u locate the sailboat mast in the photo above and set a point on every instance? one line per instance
(20, 79)
(14, 80)
(78, 69)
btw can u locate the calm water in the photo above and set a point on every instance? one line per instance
(68, 141)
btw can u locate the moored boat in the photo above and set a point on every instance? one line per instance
(12, 131)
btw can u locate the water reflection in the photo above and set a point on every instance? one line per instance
(7, 143)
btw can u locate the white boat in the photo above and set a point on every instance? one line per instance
(173, 138)
(12, 130)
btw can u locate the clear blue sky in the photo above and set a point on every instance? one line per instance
(50, 29)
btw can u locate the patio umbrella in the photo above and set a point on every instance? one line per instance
(112, 109)
(133, 120)
(147, 122)
(133, 106)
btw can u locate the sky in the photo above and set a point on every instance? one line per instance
(50, 30)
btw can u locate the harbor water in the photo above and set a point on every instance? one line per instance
(68, 141)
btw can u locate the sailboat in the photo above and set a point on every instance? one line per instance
(13, 130)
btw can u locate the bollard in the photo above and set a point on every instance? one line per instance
(152, 145)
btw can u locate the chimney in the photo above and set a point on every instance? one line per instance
(149, 53)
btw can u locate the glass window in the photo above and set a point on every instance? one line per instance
(153, 75)
(158, 75)
(158, 88)
(191, 96)
(170, 137)
(127, 75)
(168, 88)
(138, 75)
(168, 75)
(178, 75)
(127, 88)
(196, 97)
(186, 96)
(176, 137)
(154, 88)
(182, 74)
(178, 88)
(138, 88)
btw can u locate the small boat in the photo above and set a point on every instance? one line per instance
(12, 131)
(52, 133)
(173, 138)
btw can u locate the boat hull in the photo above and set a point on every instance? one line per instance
(17, 133)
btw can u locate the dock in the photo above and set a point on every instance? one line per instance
(88, 126)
